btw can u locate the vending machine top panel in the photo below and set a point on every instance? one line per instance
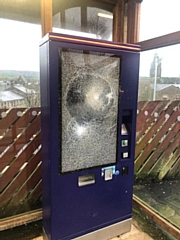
(90, 42)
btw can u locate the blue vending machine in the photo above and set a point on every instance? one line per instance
(89, 103)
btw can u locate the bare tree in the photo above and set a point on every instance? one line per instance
(101, 27)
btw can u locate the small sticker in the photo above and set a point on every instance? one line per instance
(108, 174)
(113, 168)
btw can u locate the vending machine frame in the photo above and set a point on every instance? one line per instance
(87, 194)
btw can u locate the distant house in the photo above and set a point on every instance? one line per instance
(167, 91)
(21, 90)
(163, 91)
(10, 99)
(17, 94)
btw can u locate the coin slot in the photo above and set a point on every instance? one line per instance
(86, 180)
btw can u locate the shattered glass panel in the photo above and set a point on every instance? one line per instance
(88, 92)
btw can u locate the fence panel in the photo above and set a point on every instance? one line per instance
(20, 160)
(158, 141)
(157, 152)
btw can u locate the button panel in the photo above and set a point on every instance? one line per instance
(125, 154)
(124, 143)
(126, 129)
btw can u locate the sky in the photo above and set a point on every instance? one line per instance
(160, 17)
(170, 61)
(19, 42)
(19, 45)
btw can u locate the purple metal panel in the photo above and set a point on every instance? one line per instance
(69, 210)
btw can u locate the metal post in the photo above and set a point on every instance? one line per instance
(155, 79)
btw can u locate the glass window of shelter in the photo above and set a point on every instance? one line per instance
(86, 19)
(159, 17)
(19, 58)
(20, 144)
(157, 137)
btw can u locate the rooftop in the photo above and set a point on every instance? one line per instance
(7, 96)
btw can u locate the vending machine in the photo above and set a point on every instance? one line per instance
(89, 102)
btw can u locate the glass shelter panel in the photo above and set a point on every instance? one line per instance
(88, 89)
(159, 17)
(160, 74)
(99, 23)
(20, 142)
(73, 19)
(157, 160)
(83, 20)
(19, 64)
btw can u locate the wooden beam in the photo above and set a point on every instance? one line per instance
(156, 218)
(133, 21)
(118, 22)
(162, 41)
(19, 220)
(46, 16)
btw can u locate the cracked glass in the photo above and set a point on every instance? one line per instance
(88, 104)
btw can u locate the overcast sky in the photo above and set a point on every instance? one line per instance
(160, 17)
(19, 45)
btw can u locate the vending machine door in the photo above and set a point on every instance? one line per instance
(89, 101)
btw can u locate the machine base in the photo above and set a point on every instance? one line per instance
(108, 232)
(104, 233)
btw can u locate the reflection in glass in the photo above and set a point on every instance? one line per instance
(56, 21)
(99, 22)
(87, 21)
(160, 74)
(89, 109)
(73, 19)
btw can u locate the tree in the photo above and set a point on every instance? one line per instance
(100, 26)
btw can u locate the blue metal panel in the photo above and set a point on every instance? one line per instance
(70, 211)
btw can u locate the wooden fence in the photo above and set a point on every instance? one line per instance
(157, 152)
(158, 141)
(20, 161)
